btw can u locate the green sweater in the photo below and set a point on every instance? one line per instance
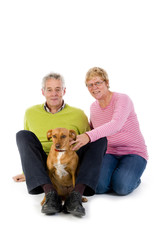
(38, 121)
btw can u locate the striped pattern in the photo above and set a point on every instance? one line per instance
(118, 122)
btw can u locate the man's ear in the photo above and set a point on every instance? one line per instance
(42, 91)
(72, 134)
(64, 91)
(49, 134)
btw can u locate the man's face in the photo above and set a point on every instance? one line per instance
(53, 92)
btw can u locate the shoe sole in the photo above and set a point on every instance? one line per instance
(74, 212)
(50, 212)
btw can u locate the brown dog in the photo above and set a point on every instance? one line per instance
(62, 161)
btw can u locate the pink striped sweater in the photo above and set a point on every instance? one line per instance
(118, 122)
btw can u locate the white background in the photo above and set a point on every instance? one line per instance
(69, 37)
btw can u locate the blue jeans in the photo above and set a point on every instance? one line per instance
(120, 174)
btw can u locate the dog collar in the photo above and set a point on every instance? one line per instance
(60, 150)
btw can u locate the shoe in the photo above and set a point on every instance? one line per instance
(53, 204)
(73, 204)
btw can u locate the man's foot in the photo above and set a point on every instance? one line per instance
(73, 204)
(53, 204)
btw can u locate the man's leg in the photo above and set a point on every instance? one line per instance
(33, 160)
(126, 177)
(90, 157)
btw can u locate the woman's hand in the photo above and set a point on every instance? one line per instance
(19, 178)
(81, 140)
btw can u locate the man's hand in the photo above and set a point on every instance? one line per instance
(81, 140)
(19, 178)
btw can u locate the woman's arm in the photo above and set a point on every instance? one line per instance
(122, 110)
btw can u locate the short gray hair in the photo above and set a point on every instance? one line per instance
(56, 76)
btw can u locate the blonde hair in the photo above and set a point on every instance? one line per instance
(97, 72)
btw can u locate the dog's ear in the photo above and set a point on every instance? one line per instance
(49, 134)
(72, 134)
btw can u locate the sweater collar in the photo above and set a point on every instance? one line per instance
(47, 109)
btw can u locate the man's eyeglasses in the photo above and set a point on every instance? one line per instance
(97, 84)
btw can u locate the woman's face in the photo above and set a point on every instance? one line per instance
(97, 88)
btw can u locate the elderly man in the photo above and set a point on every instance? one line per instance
(34, 148)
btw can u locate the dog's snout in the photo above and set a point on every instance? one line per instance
(57, 145)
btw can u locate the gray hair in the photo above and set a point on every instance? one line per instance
(56, 76)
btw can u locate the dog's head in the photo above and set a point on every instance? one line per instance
(61, 137)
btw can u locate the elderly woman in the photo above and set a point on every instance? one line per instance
(112, 115)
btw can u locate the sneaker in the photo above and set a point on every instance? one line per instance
(53, 204)
(73, 204)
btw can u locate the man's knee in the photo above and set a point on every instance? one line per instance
(100, 144)
(102, 141)
(23, 136)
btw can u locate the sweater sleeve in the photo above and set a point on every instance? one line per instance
(25, 122)
(121, 112)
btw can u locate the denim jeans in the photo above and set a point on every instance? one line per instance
(33, 159)
(120, 174)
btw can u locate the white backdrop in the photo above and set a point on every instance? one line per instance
(69, 37)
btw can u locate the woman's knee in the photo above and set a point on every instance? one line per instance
(122, 187)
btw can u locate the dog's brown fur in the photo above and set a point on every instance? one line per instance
(62, 161)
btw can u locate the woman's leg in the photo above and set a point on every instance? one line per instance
(127, 175)
(109, 164)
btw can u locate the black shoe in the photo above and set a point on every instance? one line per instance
(53, 204)
(73, 204)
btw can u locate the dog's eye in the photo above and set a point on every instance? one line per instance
(63, 136)
(54, 136)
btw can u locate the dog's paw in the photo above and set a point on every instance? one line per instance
(84, 199)
(43, 201)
